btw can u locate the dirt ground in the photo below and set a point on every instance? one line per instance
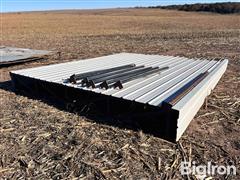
(40, 141)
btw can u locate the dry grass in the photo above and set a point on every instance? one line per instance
(42, 142)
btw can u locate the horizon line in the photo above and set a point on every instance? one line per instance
(106, 8)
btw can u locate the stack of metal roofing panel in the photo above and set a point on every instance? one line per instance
(10, 55)
(171, 96)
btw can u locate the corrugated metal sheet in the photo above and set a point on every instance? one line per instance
(10, 55)
(152, 89)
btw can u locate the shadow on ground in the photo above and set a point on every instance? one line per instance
(7, 86)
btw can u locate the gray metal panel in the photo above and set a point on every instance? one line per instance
(152, 89)
(8, 54)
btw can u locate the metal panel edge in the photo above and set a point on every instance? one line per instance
(191, 103)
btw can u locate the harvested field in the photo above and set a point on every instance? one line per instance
(41, 141)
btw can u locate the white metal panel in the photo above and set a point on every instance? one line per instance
(138, 62)
(191, 103)
(180, 82)
(150, 89)
(170, 63)
(134, 87)
(65, 70)
(109, 61)
(163, 78)
(157, 91)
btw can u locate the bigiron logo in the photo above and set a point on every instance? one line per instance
(187, 168)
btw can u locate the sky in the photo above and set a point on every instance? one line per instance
(38, 5)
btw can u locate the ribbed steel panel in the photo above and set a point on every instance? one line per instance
(191, 103)
(152, 89)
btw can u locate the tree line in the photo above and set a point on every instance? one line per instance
(223, 8)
